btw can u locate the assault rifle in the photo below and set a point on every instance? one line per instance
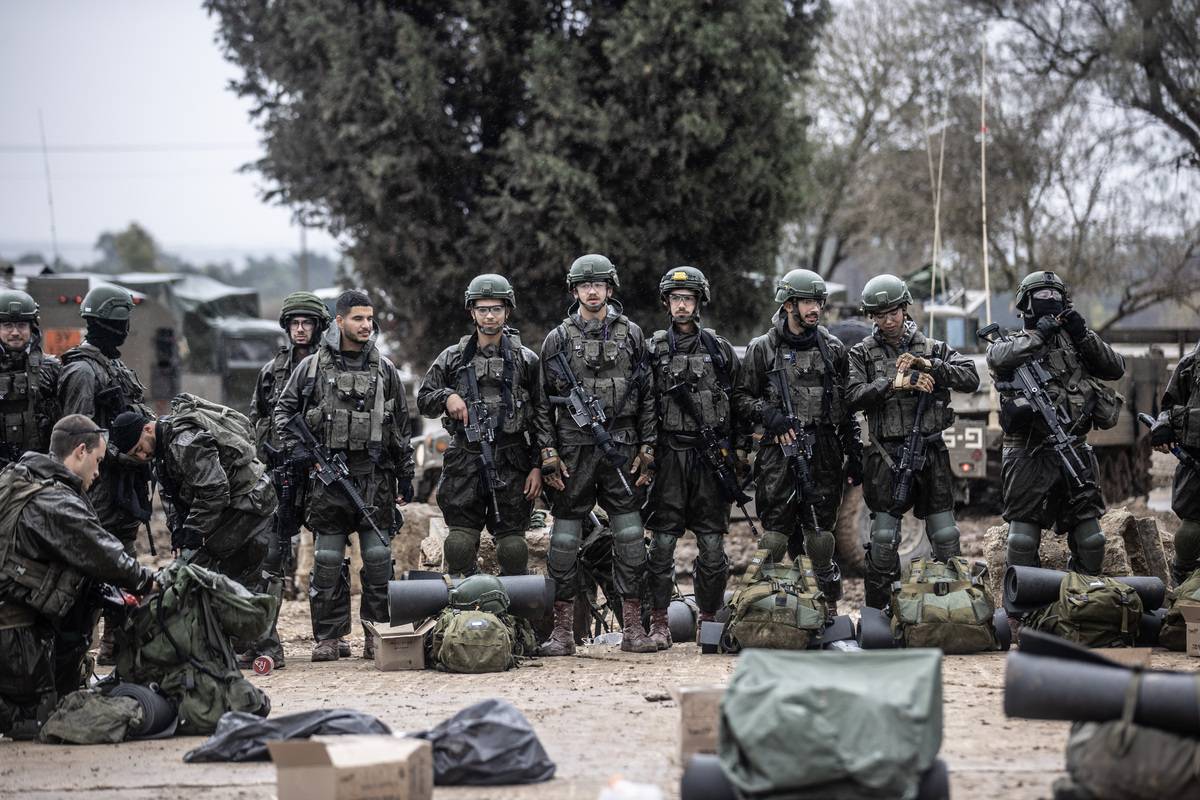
(716, 453)
(912, 459)
(588, 413)
(1184, 456)
(1030, 380)
(287, 476)
(481, 429)
(800, 452)
(330, 469)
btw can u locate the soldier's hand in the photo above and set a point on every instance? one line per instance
(553, 469)
(788, 437)
(1048, 327)
(1163, 448)
(924, 383)
(774, 421)
(904, 381)
(456, 408)
(908, 361)
(533, 484)
(1074, 324)
(404, 491)
(643, 465)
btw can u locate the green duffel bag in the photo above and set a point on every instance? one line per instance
(945, 606)
(472, 641)
(778, 606)
(1093, 611)
(1173, 634)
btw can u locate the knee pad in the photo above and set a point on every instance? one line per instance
(711, 558)
(461, 550)
(565, 538)
(327, 569)
(629, 541)
(942, 531)
(1023, 541)
(512, 553)
(883, 555)
(1089, 546)
(662, 552)
(1187, 542)
(775, 543)
(819, 546)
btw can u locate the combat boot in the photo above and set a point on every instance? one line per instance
(829, 581)
(705, 616)
(326, 650)
(633, 635)
(107, 657)
(1180, 571)
(562, 639)
(369, 648)
(343, 648)
(660, 629)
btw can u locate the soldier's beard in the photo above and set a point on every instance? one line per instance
(489, 330)
(684, 320)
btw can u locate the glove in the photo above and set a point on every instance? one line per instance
(404, 487)
(551, 463)
(775, 421)
(1074, 324)
(854, 470)
(644, 462)
(1162, 433)
(1048, 327)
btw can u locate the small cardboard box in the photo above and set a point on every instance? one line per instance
(1191, 616)
(353, 768)
(1137, 657)
(400, 647)
(699, 718)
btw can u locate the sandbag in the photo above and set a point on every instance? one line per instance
(243, 737)
(855, 724)
(487, 744)
(88, 717)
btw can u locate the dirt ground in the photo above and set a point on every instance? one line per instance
(598, 714)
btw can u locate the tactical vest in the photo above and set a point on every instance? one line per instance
(354, 413)
(1086, 401)
(808, 375)
(508, 404)
(895, 419)
(1185, 418)
(604, 367)
(120, 388)
(49, 588)
(708, 380)
(23, 425)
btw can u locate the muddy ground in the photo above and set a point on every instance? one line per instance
(598, 714)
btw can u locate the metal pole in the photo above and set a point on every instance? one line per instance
(304, 258)
(49, 192)
(983, 133)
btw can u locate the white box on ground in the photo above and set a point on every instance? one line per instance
(1191, 616)
(353, 768)
(399, 647)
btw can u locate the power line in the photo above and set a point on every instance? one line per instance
(162, 147)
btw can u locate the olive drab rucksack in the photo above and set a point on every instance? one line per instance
(945, 606)
(1173, 634)
(475, 633)
(1091, 610)
(232, 430)
(778, 606)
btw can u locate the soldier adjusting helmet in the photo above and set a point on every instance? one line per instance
(490, 286)
(883, 293)
(17, 306)
(684, 278)
(1042, 279)
(592, 267)
(802, 283)
(107, 302)
(304, 304)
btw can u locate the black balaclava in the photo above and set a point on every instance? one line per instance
(108, 335)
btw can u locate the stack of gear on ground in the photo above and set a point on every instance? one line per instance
(1173, 634)
(1092, 610)
(945, 606)
(778, 606)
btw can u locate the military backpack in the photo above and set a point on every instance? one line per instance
(1173, 634)
(231, 429)
(778, 606)
(472, 641)
(1091, 610)
(945, 606)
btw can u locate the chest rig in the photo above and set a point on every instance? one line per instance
(604, 363)
(23, 425)
(274, 381)
(703, 372)
(354, 413)
(501, 376)
(120, 388)
(895, 419)
(818, 397)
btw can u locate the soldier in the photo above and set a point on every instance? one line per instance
(352, 399)
(800, 355)
(217, 496)
(97, 384)
(595, 357)
(897, 373)
(687, 492)
(28, 379)
(1036, 492)
(1178, 427)
(52, 546)
(499, 421)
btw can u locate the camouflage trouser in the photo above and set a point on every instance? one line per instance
(27, 673)
(685, 495)
(932, 487)
(332, 519)
(467, 508)
(783, 516)
(1185, 502)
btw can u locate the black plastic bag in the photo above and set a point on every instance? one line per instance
(243, 737)
(487, 744)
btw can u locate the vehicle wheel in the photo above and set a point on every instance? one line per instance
(1003, 632)
(851, 556)
(875, 630)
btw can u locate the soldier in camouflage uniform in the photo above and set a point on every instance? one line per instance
(28, 379)
(51, 539)
(812, 362)
(889, 372)
(686, 493)
(509, 384)
(605, 351)
(1036, 492)
(218, 497)
(97, 384)
(1178, 426)
(353, 400)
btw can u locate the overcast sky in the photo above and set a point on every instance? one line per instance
(140, 127)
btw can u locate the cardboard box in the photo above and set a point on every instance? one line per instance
(1137, 657)
(353, 768)
(400, 647)
(1191, 616)
(699, 718)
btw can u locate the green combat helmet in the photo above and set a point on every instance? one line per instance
(884, 292)
(304, 304)
(107, 302)
(16, 306)
(1042, 279)
(684, 278)
(490, 286)
(802, 283)
(592, 267)
(484, 592)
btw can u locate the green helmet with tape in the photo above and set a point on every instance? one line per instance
(592, 267)
(1042, 279)
(107, 302)
(802, 283)
(304, 304)
(884, 292)
(17, 306)
(490, 286)
(684, 278)
(484, 592)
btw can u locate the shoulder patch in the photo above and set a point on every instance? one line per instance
(186, 438)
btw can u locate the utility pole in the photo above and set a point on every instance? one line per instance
(49, 192)
(304, 257)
